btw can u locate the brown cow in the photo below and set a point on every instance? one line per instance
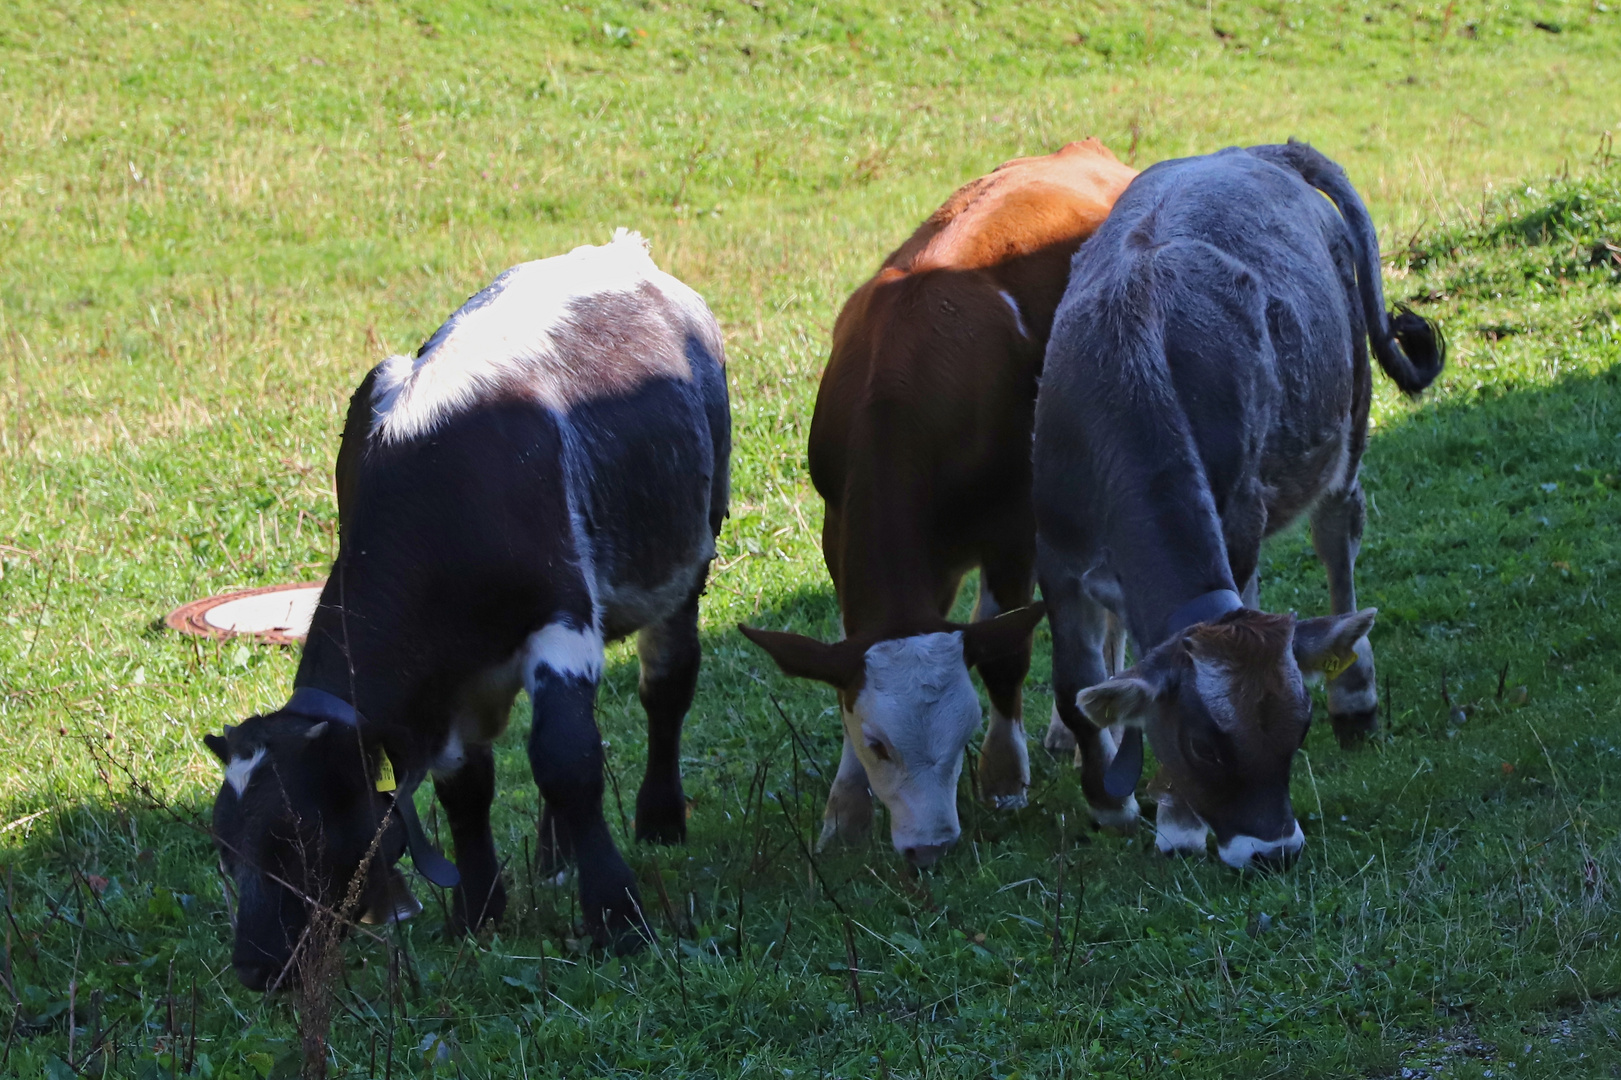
(920, 447)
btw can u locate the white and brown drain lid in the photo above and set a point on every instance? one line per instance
(276, 614)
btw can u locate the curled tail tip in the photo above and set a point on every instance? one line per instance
(1424, 346)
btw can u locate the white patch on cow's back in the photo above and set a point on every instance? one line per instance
(565, 649)
(515, 334)
(1018, 316)
(240, 771)
(1241, 850)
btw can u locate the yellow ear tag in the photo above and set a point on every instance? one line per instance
(385, 771)
(1334, 665)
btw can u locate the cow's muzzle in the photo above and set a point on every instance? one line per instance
(1252, 853)
(924, 856)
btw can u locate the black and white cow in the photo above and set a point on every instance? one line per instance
(1206, 383)
(547, 473)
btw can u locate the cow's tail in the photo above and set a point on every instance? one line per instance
(1408, 346)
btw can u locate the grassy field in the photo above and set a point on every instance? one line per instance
(215, 217)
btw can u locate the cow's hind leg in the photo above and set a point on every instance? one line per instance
(1336, 533)
(565, 753)
(466, 790)
(669, 657)
(1004, 756)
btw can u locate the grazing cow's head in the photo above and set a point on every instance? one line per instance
(909, 709)
(1225, 707)
(293, 821)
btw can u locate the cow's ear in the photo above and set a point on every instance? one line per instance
(219, 746)
(1124, 699)
(1006, 633)
(1327, 646)
(840, 665)
(1130, 698)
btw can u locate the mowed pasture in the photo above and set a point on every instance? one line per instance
(215, 217)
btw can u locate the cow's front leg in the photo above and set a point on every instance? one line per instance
(669, 656)
(1004, 756)
(1059, 738)
(1081, 632)
(565, 752)
(848, 818)
(1336, 533)
(555, 847)
(466, 787)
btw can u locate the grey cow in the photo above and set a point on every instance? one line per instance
(1206, 383)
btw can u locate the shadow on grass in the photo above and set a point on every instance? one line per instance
(1458, 872)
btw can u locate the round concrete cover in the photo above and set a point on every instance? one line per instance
(279, 614)
(286, 612)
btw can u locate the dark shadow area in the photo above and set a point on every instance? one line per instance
(1492, 550)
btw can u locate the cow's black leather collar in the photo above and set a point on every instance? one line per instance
(320, 705)
(316, 704)
(1212, 605)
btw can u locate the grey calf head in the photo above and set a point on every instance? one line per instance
(1225, 707)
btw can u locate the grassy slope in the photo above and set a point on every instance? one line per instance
(215, 219)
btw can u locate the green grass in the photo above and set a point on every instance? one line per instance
(214, 217)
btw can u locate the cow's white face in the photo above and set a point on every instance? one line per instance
(909, 721)
(909, 710)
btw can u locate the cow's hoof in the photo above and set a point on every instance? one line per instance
(661, 816)
(1352, 730)
(1004, 765)
(614, 916)
(1059, 738)
(394, 903)
(624, 934)
(489, 901)
(848, 817)
(844, 832)
(1004, 785)
(554, 853)
(1121, 820)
